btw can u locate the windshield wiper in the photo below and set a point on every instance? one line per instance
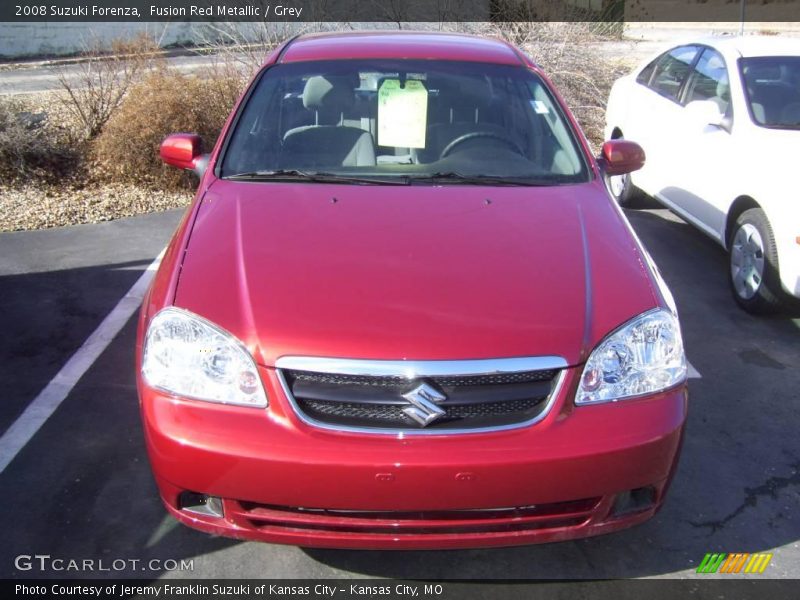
(313, 177)
(457, 177)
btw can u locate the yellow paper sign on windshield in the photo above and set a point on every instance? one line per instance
(402, 114)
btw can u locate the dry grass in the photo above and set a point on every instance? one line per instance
(33, 145)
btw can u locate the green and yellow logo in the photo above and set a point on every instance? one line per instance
(740, 562)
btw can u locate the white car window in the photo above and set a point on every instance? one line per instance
(670, 70)
(772, 85)
(709, 81)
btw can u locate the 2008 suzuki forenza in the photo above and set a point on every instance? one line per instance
(404, 312)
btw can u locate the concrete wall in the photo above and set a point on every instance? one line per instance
(27, 40)
(19, 40)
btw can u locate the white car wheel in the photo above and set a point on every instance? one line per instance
(753, 269)
(747, 261)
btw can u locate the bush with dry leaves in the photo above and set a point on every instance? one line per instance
(163, 102)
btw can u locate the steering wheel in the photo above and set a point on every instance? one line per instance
(479, 134)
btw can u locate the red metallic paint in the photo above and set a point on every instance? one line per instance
(389, 44)
(594, 524)
(275, 459)
(419, 273)
(622, 156)
(181, 150)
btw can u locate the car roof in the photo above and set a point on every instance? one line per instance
(400, 44)
(754, 45)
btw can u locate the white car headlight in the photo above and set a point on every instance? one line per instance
(643, 356)
(188, 356)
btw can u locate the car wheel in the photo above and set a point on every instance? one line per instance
(753, 256)
(620, 188)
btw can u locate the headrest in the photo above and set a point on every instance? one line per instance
(468, 92)
(328, 93)
(755, 73)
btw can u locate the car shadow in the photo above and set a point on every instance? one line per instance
(81, 489)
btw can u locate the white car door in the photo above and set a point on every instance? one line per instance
(655, 113)
(704, 169)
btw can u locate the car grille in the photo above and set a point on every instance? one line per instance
(397, 523)
(376, 401)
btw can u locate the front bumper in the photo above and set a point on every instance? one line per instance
(281, 480)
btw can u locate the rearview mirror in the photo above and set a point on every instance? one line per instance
(621, 156)
(185, 151)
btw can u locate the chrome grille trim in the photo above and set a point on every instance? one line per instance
(415, 369)
(412, 369)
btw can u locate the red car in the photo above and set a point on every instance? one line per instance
(404, 312)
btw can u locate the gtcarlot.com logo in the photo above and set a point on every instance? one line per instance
(739, 562)
(45, 562)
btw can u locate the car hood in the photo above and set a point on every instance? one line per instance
(413, 272)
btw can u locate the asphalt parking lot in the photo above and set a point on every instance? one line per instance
(82, 489)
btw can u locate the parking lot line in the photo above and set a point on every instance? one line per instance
(693, 373)
(51, 397)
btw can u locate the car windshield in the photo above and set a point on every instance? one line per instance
(403, 121)
(772, 84)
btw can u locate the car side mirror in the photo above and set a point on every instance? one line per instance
(619, 157)
(184, 151)
(704, 113)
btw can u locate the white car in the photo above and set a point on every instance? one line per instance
(719, 120)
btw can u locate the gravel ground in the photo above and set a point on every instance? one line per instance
(28, 203)
(33, 206)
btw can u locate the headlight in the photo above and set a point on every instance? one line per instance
(188, 356)
(643, 356)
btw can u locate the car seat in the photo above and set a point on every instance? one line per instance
(329, 142)
(463, 108)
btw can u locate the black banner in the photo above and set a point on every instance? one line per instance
(398, 11)
(353, 589)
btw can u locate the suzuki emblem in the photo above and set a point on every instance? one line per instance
(424, 400)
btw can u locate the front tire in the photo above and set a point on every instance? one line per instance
(621, 189)
(753, 271)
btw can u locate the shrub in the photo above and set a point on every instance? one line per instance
(95, 90)
(29, 147)
(162, 103)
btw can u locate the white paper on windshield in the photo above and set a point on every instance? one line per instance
(402, 114)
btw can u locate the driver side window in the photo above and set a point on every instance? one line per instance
(668, 72)
(709, 81)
